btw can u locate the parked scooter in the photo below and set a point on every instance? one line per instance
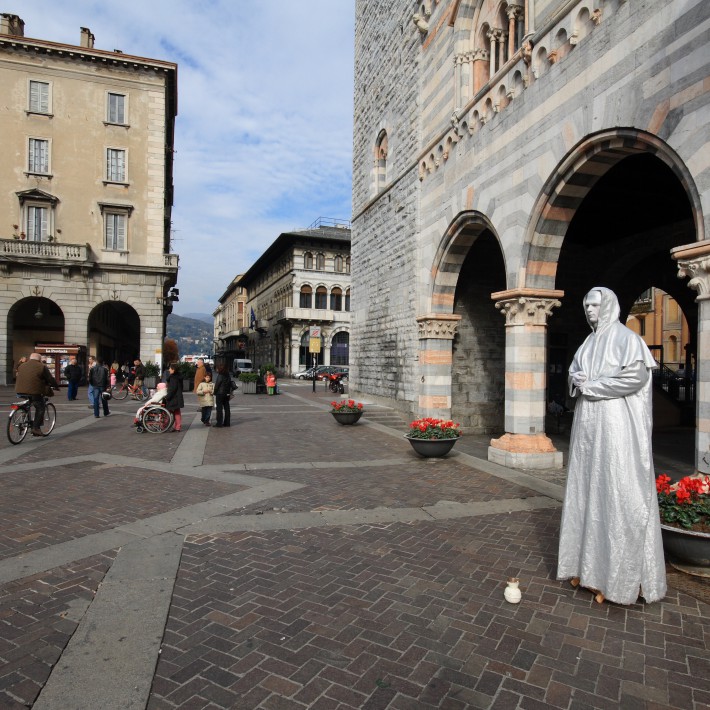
(336, 382)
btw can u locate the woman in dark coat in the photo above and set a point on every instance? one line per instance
(222, 395)
(174, 400)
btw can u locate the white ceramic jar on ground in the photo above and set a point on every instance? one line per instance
(512, 592)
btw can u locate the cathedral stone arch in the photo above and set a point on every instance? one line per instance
(568, 186)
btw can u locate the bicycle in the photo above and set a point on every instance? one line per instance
(21, 419)
(122, 390)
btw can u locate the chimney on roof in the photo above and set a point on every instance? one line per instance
(11, 25)
(87, 38)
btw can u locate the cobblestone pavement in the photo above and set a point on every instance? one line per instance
(288, 562)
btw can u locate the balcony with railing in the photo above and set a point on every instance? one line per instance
(309, 315)
(61, 254)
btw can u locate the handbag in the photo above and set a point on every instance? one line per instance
(48, 391)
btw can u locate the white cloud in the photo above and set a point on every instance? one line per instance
(264, 127)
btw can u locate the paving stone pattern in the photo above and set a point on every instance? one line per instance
(67, 502)
(396, 616)
(416, 483)
(407, 616)
(38, 616)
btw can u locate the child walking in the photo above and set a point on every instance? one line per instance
(205, 398)
(270, 382)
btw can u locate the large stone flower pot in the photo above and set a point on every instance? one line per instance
(431, 448)
(346, 417)
(687, 546)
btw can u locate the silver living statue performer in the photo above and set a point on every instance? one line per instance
(610, 539)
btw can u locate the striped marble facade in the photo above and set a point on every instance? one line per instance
(511, 153)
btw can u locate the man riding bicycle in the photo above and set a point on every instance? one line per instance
(33, 379)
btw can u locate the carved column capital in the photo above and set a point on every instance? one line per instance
(526, 307)
(514, 11)
(698, 271)
(439, 326)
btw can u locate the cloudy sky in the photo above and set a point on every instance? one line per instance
(264, 126)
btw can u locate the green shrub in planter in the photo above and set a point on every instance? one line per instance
(151, 369)
(248, 377)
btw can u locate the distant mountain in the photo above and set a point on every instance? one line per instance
(204, 317)
(192, 335)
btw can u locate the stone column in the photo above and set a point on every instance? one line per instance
(436, 338)
(492, 37)
(694, 263)
(295, 349)
(525, 444)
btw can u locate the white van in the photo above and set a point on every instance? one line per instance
(240, 365)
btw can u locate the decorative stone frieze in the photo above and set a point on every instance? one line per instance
(439, 326)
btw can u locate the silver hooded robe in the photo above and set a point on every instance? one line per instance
(610, 535)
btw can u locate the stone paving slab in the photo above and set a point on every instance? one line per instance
(38, 616)
(412, 615)
(381, 586)
(418, 482)
(52, 504)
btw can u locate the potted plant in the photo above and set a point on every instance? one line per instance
(187, 372)
(248, 380)
(347, 411)
(684, 508)
(152, 372)
(432, 438)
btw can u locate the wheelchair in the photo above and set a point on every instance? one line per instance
(155, 419)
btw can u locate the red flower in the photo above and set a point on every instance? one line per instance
(682, 495)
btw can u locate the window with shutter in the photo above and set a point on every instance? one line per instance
(115, 165)
(116, 112)
(37, 226)
(39, 97)
(38, 156)
(115, 231)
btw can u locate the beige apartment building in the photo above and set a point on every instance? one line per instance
(301, 280)
(229, 323)
(86, 192)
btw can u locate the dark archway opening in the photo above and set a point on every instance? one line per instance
(31, 321)
(478, 371)
(114, 332)
(620, 237)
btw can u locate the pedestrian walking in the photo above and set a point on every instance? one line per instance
(90, 388)
(205, 398)
(270, 382)
(99, 380)
(200, 373)
(72, 373)
(222, 395)
(140, 374)
(174, 400)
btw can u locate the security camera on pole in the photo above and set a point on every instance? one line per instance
(314, 348)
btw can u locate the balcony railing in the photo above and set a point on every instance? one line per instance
(310, 314)
(44, 250)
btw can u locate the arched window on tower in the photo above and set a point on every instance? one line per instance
(320, 262)
(381, 148)
(308, 260)
(347, 300)
(336, 299)
(322, 297)
(306, 297)
(338, 263)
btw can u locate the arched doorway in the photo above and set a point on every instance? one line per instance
(462, 337)
(621, 236)
(114, 332)
(340, 348)
(478, 367)
(30, 321)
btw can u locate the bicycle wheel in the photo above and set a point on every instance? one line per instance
(157, 420)
(17, 426)
(140, 395)
(119, 391)
(50, 419)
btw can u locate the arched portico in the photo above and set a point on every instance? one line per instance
(438, 326)
(113, 331)
(596, 222)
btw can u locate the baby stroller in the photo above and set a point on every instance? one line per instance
(153, 417)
